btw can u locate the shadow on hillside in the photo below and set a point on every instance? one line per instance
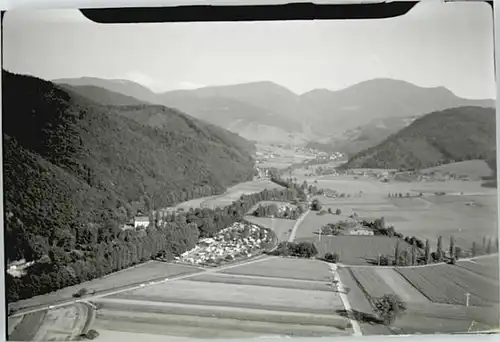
(361, 317)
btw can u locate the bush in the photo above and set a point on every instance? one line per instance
(302, 249)
(389, 307)
(332, 257)
(316, 205)
(384, 260)
(80, 293)
(92, 334)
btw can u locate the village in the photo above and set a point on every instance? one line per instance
(241, 240)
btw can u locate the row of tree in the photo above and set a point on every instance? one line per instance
(272, 210)
(403, 257)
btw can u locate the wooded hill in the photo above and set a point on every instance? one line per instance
(74, 170)
(451, 135)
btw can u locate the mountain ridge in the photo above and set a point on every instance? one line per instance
(316, 115)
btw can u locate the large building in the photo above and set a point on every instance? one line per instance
(141, 221)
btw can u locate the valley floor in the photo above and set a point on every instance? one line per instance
(288, 296)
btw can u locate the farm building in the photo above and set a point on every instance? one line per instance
(360, 231)
(141, 221)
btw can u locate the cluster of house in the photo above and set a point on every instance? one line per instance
(360, 231)
(445, 176)
(282, 209)
(228, 244)
(352, 226)
(323, 156)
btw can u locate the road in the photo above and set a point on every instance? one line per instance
(345, 301)
(296, 226)
(134, 287)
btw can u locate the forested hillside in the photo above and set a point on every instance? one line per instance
(74, 170)
(446, 136)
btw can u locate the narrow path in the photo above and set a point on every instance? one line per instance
(296, 226)
(345, 300)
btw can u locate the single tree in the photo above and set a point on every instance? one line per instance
(474, 249)
(396, 254)
(329, 210)
(413, 253)
(389, 307)
(452, 247)
(484, 243)
(338, 212)
(488, 247)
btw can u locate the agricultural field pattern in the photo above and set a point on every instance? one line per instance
(266, 295)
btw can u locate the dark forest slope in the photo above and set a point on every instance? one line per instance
(74, 170)
(455, 134)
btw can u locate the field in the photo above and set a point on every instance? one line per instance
(486, 267)
(270, 297)
(247, 296)
(435, 294)
(241, 279)
(60, 324)
(281, 227)
(426, 218)
(232, 194)
(448, 284)
(286, 268)
(375, 282)
(356, 250)
(26, 329)
(444, 312)
(134, 275)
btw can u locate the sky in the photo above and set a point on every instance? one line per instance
(435, 44)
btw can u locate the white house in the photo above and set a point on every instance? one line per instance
(141, 221)
(360, 231)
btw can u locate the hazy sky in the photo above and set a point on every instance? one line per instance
(435, 44)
